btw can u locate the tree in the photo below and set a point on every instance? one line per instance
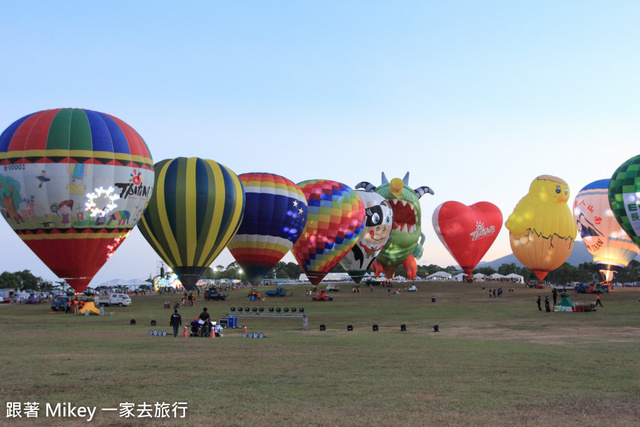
(487, 271)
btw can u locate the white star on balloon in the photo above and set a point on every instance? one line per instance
(108, 197)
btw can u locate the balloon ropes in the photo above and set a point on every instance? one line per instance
(73, 184)
(194, 212)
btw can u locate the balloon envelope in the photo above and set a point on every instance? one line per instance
(194, 212)
(467, 231)
(334, 224)
(274, 217)
(375, 234)
(541, 227)
(606, 241)
(73, 184)
(624, 191)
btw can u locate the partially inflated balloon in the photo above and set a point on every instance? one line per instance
(73, 184)
(605, 240)
(334, 224)
(467, 231)
(624, 191)
(274, 217)
(541, 227)
(194, 212)
(375, 234)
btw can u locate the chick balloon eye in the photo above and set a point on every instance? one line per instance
(375, 218)
(387, 220)
(558, 189)
(566, 191)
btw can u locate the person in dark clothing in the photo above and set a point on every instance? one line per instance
(598, 302)
(205, 330)
(176, 321)
(538, 302)
(555, 297)
(546, 304)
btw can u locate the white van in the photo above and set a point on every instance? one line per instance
(113, 299)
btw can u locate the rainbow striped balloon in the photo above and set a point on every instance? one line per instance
(334, 224)
(274, 217)
(194, 212)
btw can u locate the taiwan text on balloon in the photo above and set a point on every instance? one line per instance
(73, 183)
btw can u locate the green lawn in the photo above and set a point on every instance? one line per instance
(494, 362)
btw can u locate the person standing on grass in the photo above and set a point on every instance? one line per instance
(176, 321)
(598, 302)
(538, 302)
(546, 304)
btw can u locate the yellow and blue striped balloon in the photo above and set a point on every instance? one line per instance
(195, 210)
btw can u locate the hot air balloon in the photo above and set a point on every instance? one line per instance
(467, 231)
(334, 224)
(375, 235)
(541, 227)
(73, 183)
(402, 247)
(274, 217)
(623, 197)
(195, 211)
(606, 241)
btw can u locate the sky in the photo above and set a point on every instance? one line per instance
(474, 99)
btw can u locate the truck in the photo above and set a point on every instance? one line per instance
(59, 303)
(331, 287)
(212, 293)
(112, 299)
(279, 292)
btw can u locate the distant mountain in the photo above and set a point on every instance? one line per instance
(579, 255)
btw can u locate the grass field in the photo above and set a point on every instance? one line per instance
(495, 361)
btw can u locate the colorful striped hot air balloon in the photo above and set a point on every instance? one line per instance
(73, 184)
(195, 211)
(334, 224)
(606, 241)
(274, 217)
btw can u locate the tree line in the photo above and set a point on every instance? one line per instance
(586, 272)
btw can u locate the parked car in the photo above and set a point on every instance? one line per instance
(279, 292)
(113, 299)
(59, 303)
(212, 293)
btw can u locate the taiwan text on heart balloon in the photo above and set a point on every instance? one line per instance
(467, 231)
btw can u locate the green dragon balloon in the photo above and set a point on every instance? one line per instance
(405, 244)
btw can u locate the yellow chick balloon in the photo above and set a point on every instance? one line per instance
(541, 227)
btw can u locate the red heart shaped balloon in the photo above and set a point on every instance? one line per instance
(467, 231)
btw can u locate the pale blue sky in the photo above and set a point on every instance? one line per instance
(475, 99)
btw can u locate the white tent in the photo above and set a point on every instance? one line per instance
(440, 275)
(479, 277)
(497, 276)
(459, 277)
(515, 277)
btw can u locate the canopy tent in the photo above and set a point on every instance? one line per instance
(459, 277)
(497, 276)
(515, 277)
(329, 277)
(440, 275)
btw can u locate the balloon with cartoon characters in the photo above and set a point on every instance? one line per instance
(374, 236)
(335, 220)
(606, 241)
(541, 227)
(403, 246)
(73, 184)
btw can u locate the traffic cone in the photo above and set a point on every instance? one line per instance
(213, 332)
(245, 329)
(185, 332)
